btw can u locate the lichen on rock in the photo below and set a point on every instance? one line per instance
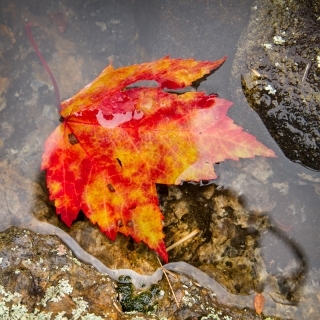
(39, 281)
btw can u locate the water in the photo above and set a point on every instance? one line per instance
(126, 32)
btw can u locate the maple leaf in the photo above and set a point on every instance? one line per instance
(115, 143)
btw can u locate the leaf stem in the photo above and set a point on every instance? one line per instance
(36, 49)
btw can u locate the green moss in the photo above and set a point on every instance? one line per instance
(141, 302)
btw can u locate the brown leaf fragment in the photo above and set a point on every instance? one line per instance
(72, 139)
(258, 303)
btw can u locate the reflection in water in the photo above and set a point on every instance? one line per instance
(231, 247)
(117, 119)
(289, 284)
(288, 192)
(289, 248)
(282, 292)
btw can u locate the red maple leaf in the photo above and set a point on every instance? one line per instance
(114, 144)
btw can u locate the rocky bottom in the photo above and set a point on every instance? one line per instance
(42, 279)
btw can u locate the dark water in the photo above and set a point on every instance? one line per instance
(127, 32)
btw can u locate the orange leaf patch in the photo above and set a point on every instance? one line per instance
(115, 143)
(259, 302)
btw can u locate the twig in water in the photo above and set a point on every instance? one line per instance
(169, 272)
(306, 72)
(117, 307)
(165, 273)
(188, 236)
(256, 73)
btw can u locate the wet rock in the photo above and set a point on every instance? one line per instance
(23, 199)
(119, 254)
(40, 278)
(281, 45)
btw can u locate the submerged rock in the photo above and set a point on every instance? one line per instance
(278, 63)
(226, 248)
(40, 278)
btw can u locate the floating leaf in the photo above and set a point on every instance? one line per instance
(115, 143)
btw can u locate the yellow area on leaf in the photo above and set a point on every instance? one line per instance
(116, 143)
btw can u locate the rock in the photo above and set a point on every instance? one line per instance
(123, 253)
(40, 278)
(281, 45)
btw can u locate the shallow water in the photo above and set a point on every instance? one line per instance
(95, 33)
